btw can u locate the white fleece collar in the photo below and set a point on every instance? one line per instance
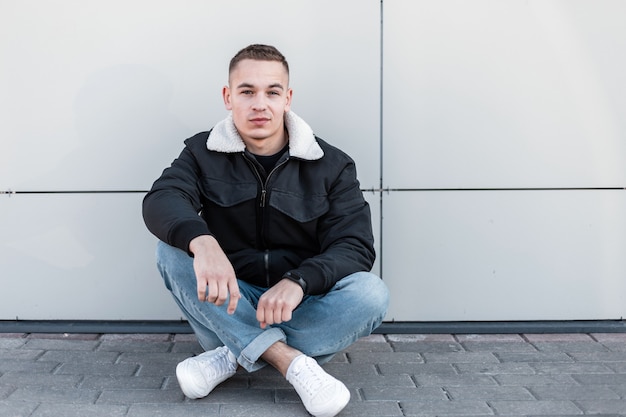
(302, 144)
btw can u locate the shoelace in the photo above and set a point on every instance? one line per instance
(220, 360)
(313, 382)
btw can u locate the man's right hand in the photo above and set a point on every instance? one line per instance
(215, 275)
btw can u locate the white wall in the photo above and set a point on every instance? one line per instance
(97, 96)
(514, 96)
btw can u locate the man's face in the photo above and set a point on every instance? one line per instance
(258, 95)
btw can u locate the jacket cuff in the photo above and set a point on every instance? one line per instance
(315, 283)
(185, 232)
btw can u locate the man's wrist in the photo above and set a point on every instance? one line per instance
(295, 277)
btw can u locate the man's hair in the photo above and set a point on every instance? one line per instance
(258, 52)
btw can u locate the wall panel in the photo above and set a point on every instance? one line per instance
(489, 93)
(508, 255)
(79, 257)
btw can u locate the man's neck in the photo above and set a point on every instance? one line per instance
(269, 146)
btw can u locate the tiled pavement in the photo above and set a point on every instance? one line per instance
(132, 375)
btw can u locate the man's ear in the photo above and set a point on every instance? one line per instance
(288, 101)
(226, 96)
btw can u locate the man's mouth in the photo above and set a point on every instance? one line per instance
(259, 120)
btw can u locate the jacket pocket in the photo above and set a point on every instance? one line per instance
(300, 207)
(227, 194)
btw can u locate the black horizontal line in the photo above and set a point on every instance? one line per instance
(498, 189)
(10, 192)
(371, 190)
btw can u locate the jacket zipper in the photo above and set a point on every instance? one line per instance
(262, 203)
(267, 267)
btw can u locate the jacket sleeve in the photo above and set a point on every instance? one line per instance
(171, 208)
(345, 236)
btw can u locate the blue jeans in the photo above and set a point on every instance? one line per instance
(321, 326)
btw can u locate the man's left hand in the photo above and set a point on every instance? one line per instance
(278, 303)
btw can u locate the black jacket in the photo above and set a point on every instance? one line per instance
(308, 217)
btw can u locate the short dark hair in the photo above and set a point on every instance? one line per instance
(258, 52)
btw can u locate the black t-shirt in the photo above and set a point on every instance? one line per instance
(269, 161)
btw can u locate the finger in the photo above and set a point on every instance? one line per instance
(203, 291)
(212, 292)
(234, 298)
(287, 314)
(260, 316)
(222, 294)
(278, 315)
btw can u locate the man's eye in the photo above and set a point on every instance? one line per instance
(247, 92)
(276, 93)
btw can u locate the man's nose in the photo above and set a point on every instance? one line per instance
(259, 103)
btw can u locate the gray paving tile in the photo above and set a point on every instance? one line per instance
(494, 368)
(403, 393)
(65, 336)
(416, 369)
(619, 390)
(102, 382)
(60, 344)
(11, 343)
(134, 346)
(185, 409)
(531, 380)
(372, 409)
(603, 406)
(448, 408)
(187, 347)
(54, 394)
(559, 337)
(600, 379)
(87, 368)
(372, 343)
(571, 368)
(384, 357)
(617, 367)
(17, 408)
(137, 337)
(138, 396)
(28, 379)
(79, 356)
(533, 357)
(5, 390)
(20, 354)
(80, 410)
(417, 338)
(423, 347)
(498, 347)
(453, 380)
(609, 337)
(546, 408)
(263, 410)
(574, 392)
(27, 366)
(490, 338)
(598, 356)
(569, 347)
(487, 393)
(383, 381)
(223, 395)
(460, 357)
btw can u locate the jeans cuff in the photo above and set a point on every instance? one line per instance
(249, 357)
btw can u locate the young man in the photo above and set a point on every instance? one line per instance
(266, 241)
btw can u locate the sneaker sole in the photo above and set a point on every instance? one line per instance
(186, 385)
(344, 399)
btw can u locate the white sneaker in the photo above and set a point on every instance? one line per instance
(198, 375)
(321, 394)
